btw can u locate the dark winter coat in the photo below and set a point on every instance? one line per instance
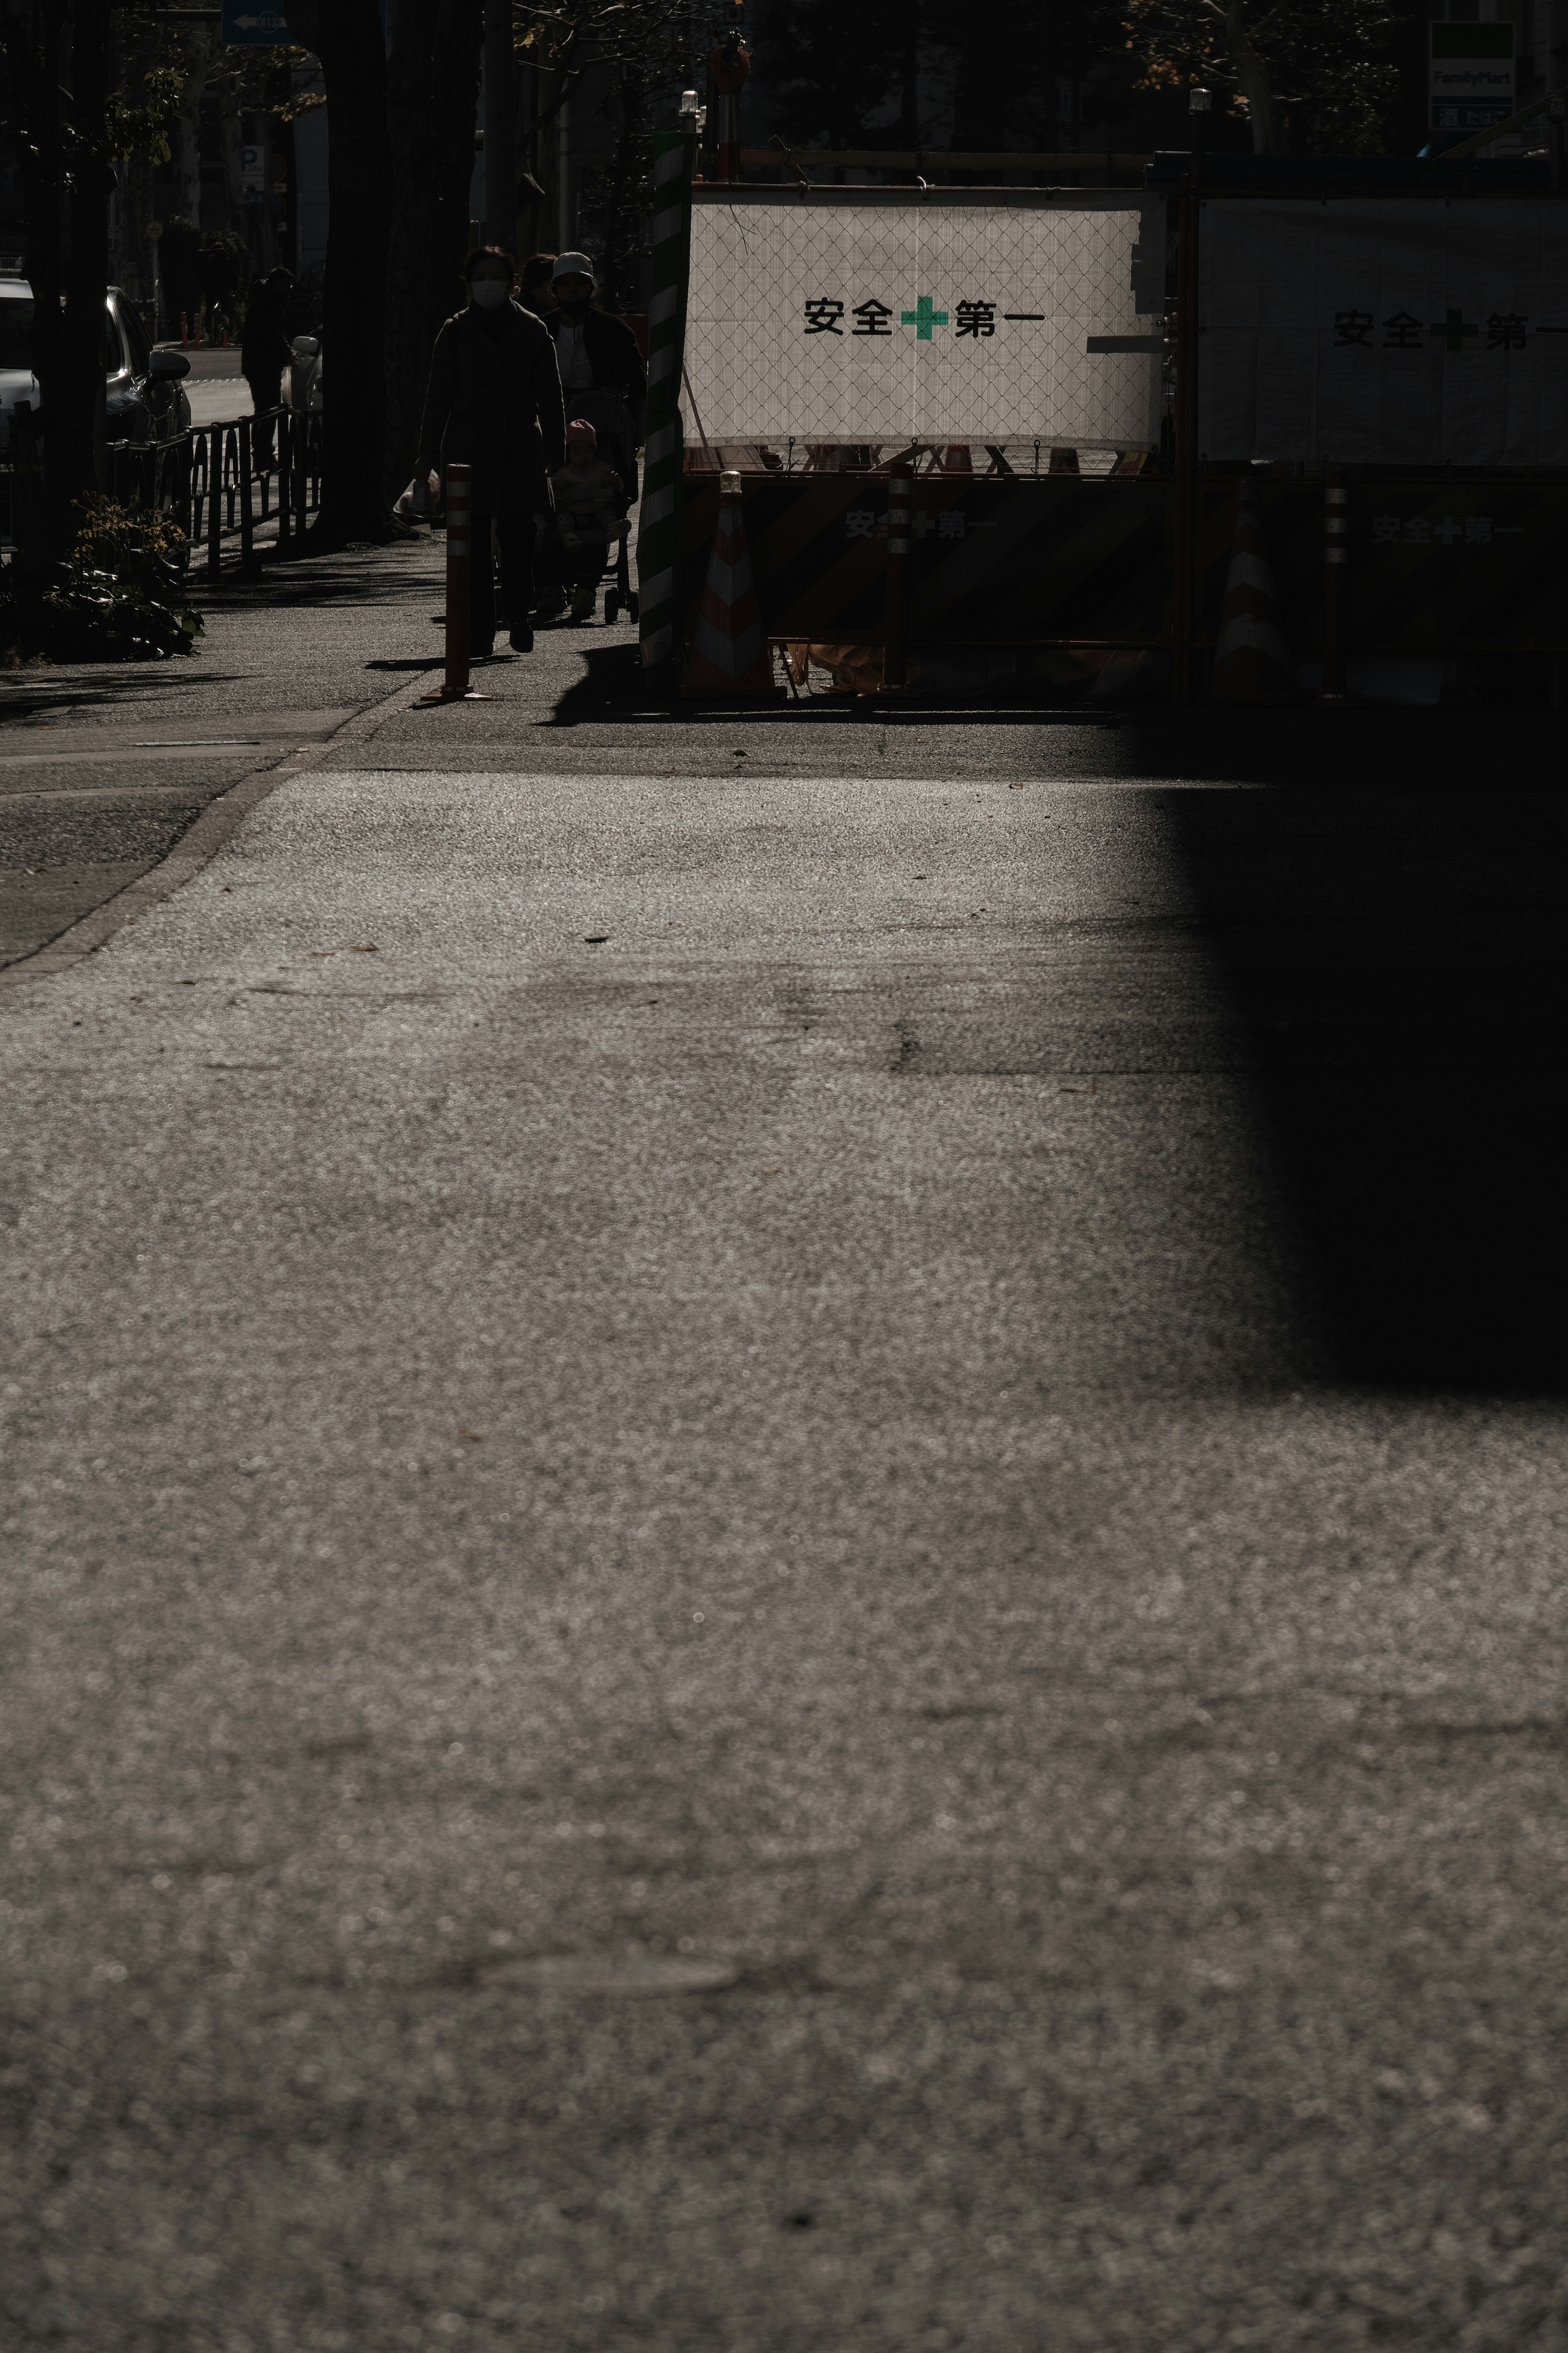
(494, 403)
(612, 353)
(265, 350)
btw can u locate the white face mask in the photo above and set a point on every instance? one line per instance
(489, 293)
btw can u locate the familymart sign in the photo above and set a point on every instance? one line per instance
(1471, 76)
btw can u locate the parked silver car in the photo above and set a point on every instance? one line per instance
(144, 399)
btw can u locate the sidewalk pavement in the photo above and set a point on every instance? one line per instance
(773, 1581)
(103, 767)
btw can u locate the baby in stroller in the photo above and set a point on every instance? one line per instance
(590, 517)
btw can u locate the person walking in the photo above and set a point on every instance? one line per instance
(265, 350)
(494, 403)
(602, 375)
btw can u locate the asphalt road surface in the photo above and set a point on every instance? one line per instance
(785, 1524)
(104, 767)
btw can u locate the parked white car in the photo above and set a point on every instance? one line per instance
(144, 397)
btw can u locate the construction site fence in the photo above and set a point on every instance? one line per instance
(1117, 532)
(1000, 459)
(1444, 563)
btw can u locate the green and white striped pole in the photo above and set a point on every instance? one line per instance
(659, 524)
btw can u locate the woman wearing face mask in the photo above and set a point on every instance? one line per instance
(494, 404)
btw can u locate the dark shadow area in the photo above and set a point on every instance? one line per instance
(111, 686)
(1389, 933)
(616, 684)
(278, 589)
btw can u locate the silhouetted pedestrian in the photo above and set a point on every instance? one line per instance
(494, 404)
(265, 350)
(602, 371)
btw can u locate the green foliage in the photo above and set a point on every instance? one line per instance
(935, 73)
(614, 200)
(144, 130)
(1326, 63)
(121, 597)
(150, 549)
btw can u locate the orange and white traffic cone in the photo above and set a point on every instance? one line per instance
(1251, 660)
(730, 649)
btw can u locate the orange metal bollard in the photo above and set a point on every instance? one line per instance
(455, 687)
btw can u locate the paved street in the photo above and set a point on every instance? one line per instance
(103, 767)
(217, 392)
(784, 1520)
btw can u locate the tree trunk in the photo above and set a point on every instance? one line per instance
(500, 127)
(547, 88)
(92, 186)
(1255, 81)
(134, 264)
(353, 52)
(626, 204)
(68, 343)
(33, 45)
(188, 165)
(199, 55)
(433, 84)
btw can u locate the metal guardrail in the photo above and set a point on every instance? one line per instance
(209, 482)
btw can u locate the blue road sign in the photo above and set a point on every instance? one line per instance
(254, 24)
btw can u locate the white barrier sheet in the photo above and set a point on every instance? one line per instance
(899, 322)
(1404, 331)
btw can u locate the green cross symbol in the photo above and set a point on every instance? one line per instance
(1453, 329)
(922, 319)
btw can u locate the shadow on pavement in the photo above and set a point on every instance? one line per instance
(1391, 943)
(617, 681)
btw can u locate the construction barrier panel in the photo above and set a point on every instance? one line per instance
(1047, 561)
(889, 315)
(1388, 374)
(1437, 568)
(1387, 331)
(1444, 565)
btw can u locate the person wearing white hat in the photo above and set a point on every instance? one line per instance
(599, 357)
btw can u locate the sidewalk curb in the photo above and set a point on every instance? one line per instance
(220, 819)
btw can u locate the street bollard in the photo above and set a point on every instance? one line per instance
(900, 485)
(303, 475)
(215, 501)
(285, 446)
(1336, 531)
(247, 522)
(454, 686)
